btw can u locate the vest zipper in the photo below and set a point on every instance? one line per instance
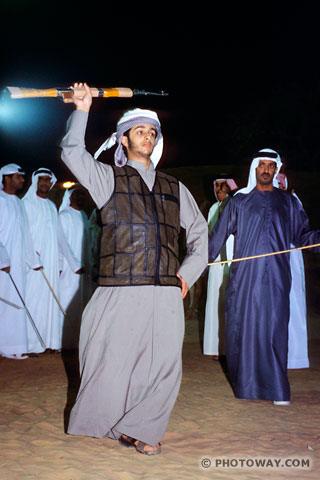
(157, 229)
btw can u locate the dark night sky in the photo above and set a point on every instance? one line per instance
(239, 78)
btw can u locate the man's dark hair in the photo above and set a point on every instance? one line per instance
(4, 176)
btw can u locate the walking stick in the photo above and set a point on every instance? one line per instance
(264, 255)
(52, 291)
(73, 92)
(28, 313)
(11, 303)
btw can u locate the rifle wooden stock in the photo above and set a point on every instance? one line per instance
(19, 92)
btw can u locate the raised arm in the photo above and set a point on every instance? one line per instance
(93, 175)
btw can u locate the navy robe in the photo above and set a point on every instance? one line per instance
(257, 297)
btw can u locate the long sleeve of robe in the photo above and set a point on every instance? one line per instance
(257, 306)
(66, 254)
(4, 258)
(131, 337)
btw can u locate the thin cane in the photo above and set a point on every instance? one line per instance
(264, 255)
(53, 293)
(51, 289)
(28, 313)
(11, 303)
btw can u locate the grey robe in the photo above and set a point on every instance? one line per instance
(131, 337)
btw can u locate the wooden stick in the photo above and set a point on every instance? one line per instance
(52, 291)
(263, 255)
(11, 303)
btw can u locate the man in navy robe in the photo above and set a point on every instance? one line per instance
(263, 219)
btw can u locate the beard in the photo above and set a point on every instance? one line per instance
(264, 179)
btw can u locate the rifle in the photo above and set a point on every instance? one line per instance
(73, 92)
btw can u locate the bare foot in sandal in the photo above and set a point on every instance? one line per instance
(127, 441)
(146, 449)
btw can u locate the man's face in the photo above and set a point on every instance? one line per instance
(141, 141)
(44, 184)
(222, 190)
(15, 181)
(77, 199)
(265, 172)
(281, 186)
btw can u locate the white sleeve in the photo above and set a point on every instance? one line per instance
(4, 257)
(65, 250)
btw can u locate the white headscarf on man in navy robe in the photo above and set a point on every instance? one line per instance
(264, 154)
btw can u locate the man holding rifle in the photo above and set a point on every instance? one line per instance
(132, 329)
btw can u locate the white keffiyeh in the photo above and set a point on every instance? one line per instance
(127, 121)
(9, 169)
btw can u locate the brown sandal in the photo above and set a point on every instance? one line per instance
(140, 447)
(127, 441)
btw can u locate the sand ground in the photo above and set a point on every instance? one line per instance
(207, 422)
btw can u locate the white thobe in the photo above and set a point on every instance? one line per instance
(297, 330)
(16, 251)
(218, 277)
(75, 289)
(49, 242)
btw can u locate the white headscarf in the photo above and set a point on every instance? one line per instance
(127, 121)
(9, 169)
(40, 172)
(66, 197)
(264, 154)
(229, 181)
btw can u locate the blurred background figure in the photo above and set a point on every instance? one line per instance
(218, 277)
(297, 330)
(76, 287)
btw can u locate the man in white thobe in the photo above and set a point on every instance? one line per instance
(75, 289)
(51, 246)
(297, 329)
(218, 276)
(132, 328)
(17, 255)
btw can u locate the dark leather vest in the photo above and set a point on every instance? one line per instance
(140, 231)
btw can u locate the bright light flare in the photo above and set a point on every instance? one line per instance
(6, 113)
(16, 116)
(68, 185)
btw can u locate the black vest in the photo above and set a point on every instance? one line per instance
(140, 231)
